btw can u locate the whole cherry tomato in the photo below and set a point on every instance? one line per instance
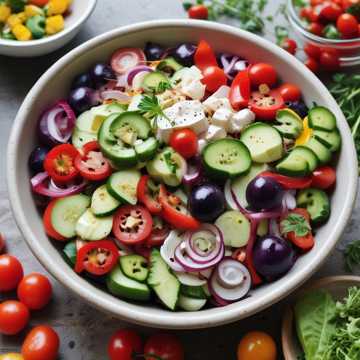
(11, 272)
(312, 51)
(347, 24)
(41, 343)
(35, 291)
(14, 316)
(198, 12)
(323, 177)
(329, 61)
(290, 92)
(330, 11)
(312, 64)
(124, 344)
(289, 45)
(262, 73)
(316, 28)
(213, 78)
(256, 345)
(163, 346)
(185, 142)
(347, 3)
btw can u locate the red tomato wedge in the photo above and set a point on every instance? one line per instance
(126, 58)
(213, 78)
(239, 95)
(323, 177)
(204, 56)
(146, 196)
(265, 106)
(49, 229)
(289, 182)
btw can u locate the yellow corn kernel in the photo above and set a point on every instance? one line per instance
(57, 7)
(5, 12)
(32, 10)
(14, 20)
(54, 24)
(21, 32)
(305, 135)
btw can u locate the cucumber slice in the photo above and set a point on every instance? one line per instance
(195, 292)
(191, 304)
(152, 81)
(235, 228)
(122, 185)
(66, 213)
(289, 123)
(80, 138)
(169, 65)
(103, 203)
(293, 165)
(147, 149)
(134, 267)
(308, 155)
(321, 118)
(92, 228)
(162, 281)
(316, 202)
(263, 141)
(321, 151)
(226, 158)
(332, 139)
(124, 287)
(69, 253)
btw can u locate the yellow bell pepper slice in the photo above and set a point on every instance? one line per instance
(305, 135)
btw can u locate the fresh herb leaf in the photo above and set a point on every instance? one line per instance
(352, 255)
(169, 162)
(350, 307)
(162, 86)
(295, 223)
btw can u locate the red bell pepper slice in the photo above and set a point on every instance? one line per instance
(204, 56)
(49, 229)
(289, 182)
(240, 90)
(146, 196)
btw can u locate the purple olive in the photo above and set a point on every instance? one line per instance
(101, 73)
(82, 99)
(299, 107)
(264, 193)
(273, 256)
(184, 54)
(82, 80)
(36, 159)
(153, 51)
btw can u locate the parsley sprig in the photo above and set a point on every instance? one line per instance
(150, 106)
(352, 255)
(295, 223)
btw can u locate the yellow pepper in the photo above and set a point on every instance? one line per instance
(5, 12)
(305, 135)
(32, 10)
(21, 32)
(11, 356)
(16, 19)
(57, 7)
(54, 24)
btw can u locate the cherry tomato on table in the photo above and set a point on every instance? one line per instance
(11, 272)
(41, 343)
(198, 12)
(147, 193)
(262, 73)
(265, 106)
(59, 163)
(256, 345)
(49, 229)
(240, 89)
(35, 291)
(185, 142)
(132, 224)
(290, 92)
(289, 45)
(92, 164)
(323, 177)
(163, 346)
(14, 316)
(347, 24)
(124, 344)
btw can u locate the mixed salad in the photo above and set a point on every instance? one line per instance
(182, 175)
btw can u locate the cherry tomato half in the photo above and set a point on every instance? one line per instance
(265, 106)
(147, 193)
(11, 272)
(163, 346)
(59, 163)
(92, 164)
(290, 92)
(198, 12)
(185, 142)
(41, 343)
(256, 345)
(213, 78)
(132, 224)
(124, 344)
(323, 177)
(35, 291)
(49, 229)
(262, 73)
(347, 24)
(14, 316)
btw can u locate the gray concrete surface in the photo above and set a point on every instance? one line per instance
(84, 332)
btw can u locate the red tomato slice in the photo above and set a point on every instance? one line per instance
(97, 257)
(158, 236)
(146, 196)
(323, 177)
(59, 163)
(49, 229)
(289, 182)
(213, 78)
(132, 224)
(174, 213)
(204, 56)
(126, 58)
(265, 106)
(239, 94)
(92, 164)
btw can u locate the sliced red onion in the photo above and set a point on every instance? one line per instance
(274, 228)
(137, 83)
(205, 274)
(167, 250)
(121, 81)
(126, 58)
(289, 200)
(118, 95)
(216, 299)
(134, 71)
(232, 64)
(38, 178)
(265, 214)
(194, 171)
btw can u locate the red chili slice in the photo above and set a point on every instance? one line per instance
(126, 58)
(289, 182)
(158, 236)
(265, 106)
(146, 196)
(49, 229)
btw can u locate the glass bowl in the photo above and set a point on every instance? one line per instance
(348, 49)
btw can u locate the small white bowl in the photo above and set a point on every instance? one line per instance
(80, 12)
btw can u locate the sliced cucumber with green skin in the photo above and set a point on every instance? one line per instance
(316, 202)
(162, 281)
(196, 292)
(191, 304)
(147, 149)
(293, 165)
(103, 203)
(169, 65)
(321, 118)
(80, 138)
(288, 123)
(226, 158)
(92, 228)
(122, 185)
(120, 285)
(134, 267)
(308, 155)
(69, 253)
(152, 81)
(178, 76)
(321, 151)
(263, 141)
(332, 139)
(66, 213)
(235, 228)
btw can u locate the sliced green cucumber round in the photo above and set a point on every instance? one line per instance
(147, 149)
(152, 81)
(190, 304)
(293, 165)
(321, 118)
(80, 138)
(226, 158)
(130, 124)
(66, 213)
(134, 267)
(263, 141)
(321, 151)
(332, 139)
(288, 123)
(102, 202)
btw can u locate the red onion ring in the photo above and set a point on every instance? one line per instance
(135, 70)
(115, 95)
(194, 171)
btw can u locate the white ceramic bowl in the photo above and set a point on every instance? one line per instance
(80, 12)
(222, 38)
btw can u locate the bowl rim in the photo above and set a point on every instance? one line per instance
(125, 310)
(67, 30)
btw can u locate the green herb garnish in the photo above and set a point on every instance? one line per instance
(151, 108)
(169, 162)
(295, 223)
(162, 86)
(352, 255)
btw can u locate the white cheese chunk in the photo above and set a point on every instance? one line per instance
(212, 104)
(194, 90)
(215, 133)
(201, 144)
(240, 119)
(221, 117)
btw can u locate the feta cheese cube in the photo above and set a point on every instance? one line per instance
(221, 117)
(212, 104)
(215, 133)
(194, 90)
(240, 119)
